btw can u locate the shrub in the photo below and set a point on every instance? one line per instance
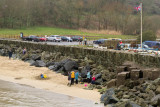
(147, 36)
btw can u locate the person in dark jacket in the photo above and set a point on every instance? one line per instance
(69, 79)
(10, 53)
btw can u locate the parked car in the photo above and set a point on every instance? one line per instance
(54, 38)
(152, 44)
(77, 38)
(66, 38)
(116, 39)
(32, 38)
(43, 39)
(99, 41)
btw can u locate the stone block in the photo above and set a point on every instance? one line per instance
(155, 74)
(147, 73)
(111, 83)
(135, 74)
(127, 66)
(120, 69)
(131, 68)
(121, 78)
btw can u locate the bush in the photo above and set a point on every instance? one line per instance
(147, 36)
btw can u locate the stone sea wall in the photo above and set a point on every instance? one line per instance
(105, 58)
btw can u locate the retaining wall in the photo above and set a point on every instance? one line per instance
(106, 58)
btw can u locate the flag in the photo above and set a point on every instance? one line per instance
(138, 8)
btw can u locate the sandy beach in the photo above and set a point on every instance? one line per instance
(21, 72)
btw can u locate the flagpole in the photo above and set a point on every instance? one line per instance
(141, 25)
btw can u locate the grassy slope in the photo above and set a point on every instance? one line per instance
(58, 31)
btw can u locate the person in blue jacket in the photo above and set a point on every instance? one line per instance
(76, 77)
(88, 76)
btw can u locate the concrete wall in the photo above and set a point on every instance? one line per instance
(101, 57)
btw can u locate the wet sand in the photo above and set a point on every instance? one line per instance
(16, 95)
(21, 72)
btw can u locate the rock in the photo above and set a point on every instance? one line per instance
(99, 81)
(131, 68)
(2, 52)
(111, 83)
(84, 71)
(55, 67)
(38, 63)
(155, 74)
(155, 101)
(158, 90)
(126, 96)
(108, 92)
(147, 73)
(70, 65)
(120, 69)
(50, 63)
(30, 61)
(156, 82)
(98, 87)
(110, 100)
(35, 57)
(97, 76)
(131, 104)
(135, 74)
(25, 57)
(121, 78)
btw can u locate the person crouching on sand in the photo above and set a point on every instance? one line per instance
(72, 77)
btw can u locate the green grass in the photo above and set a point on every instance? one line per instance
(41, 31)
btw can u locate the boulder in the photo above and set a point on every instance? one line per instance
(110, 100)
(70, 65)
(158, 90)
(30, 61)
(2, 52)
(38, 63)
(121, 78)
(35, 57)
(99, 81)
(97, 76)
(131, 104)
(155, 101)
(25, 57)
(134, 74)
(120, 69)
(55, 67)
(50, 63)
(147, 73)
(84, 71)
(108, 92)
(155, 74)
(111, 83)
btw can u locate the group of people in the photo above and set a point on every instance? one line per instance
(119, 45)
(10, 52)
(73, 77)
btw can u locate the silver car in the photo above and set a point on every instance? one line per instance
(54, 38)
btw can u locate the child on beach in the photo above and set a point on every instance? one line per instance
(24, 51)
(69, 79)
(72, 77)
(76, 77)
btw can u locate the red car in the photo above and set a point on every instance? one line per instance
(43, 39)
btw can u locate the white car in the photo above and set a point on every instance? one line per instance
(54, 38)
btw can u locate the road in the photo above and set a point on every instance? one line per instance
(54, 43)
